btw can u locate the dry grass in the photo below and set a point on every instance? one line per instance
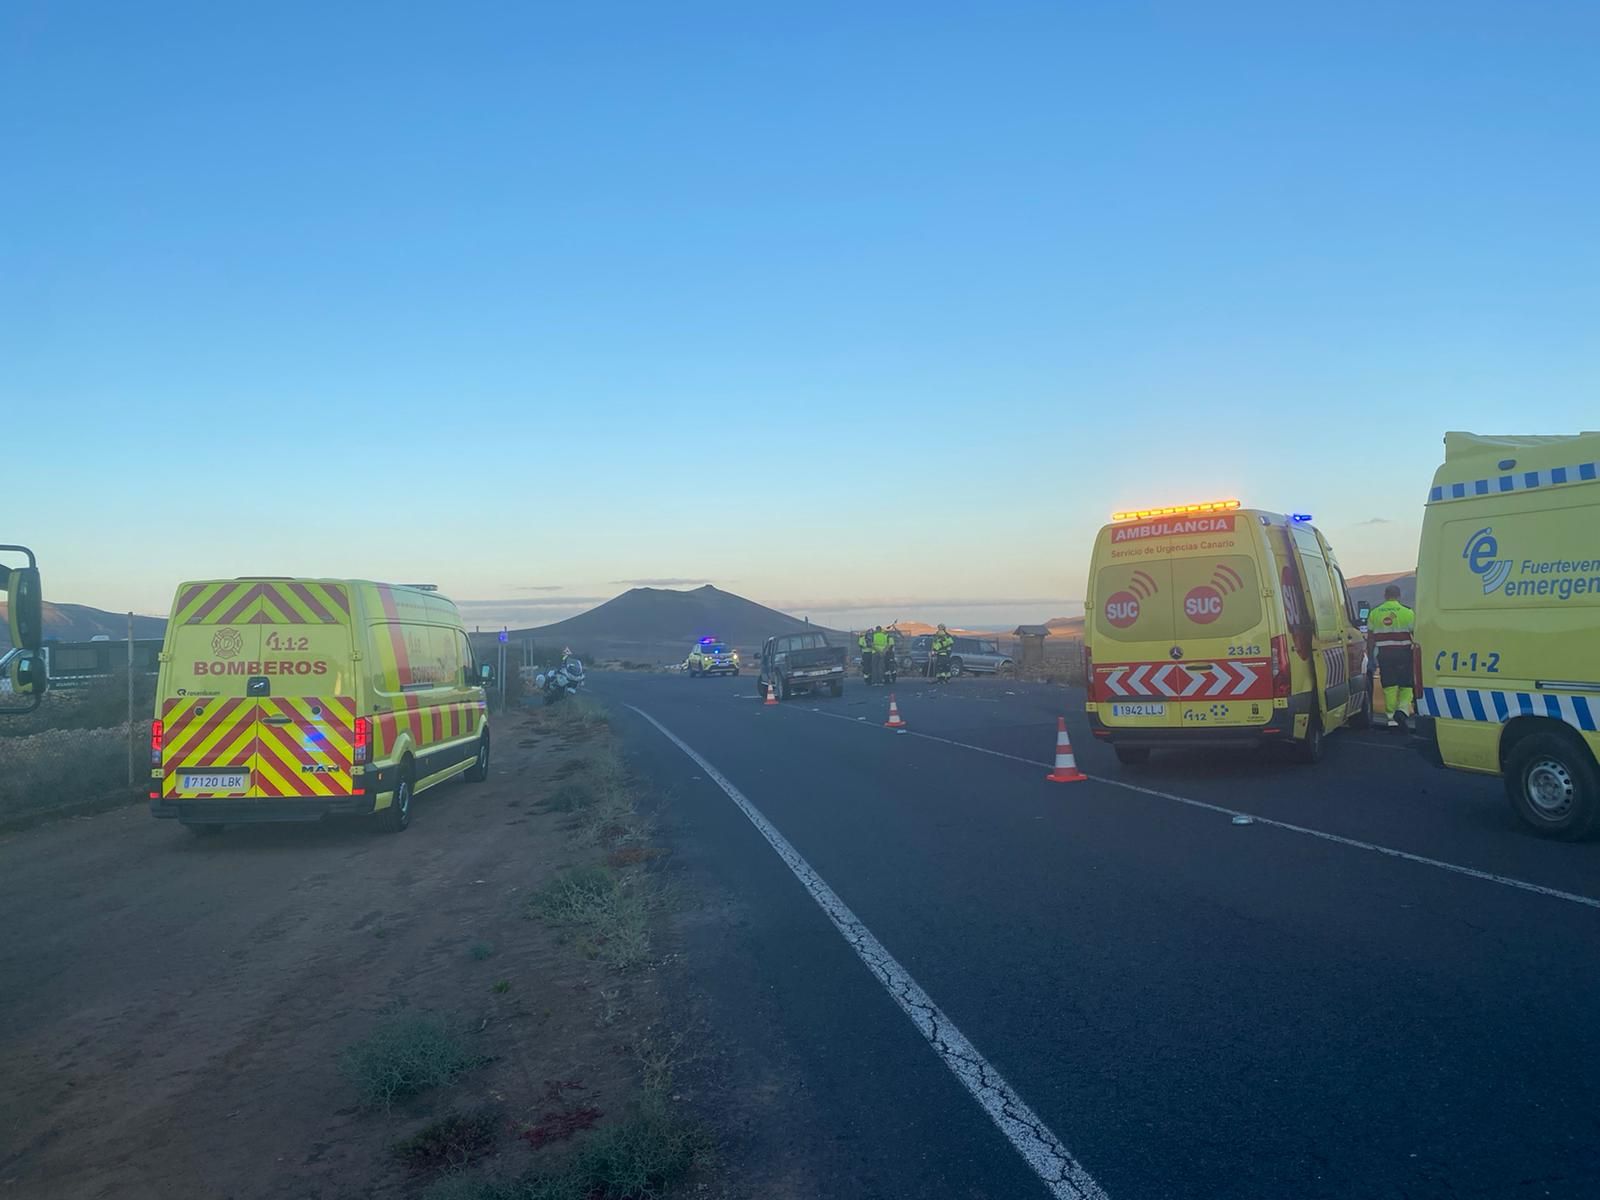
(66, 766)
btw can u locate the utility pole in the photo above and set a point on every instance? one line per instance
(130, 701)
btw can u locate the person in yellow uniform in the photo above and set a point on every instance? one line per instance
(880, 653)
(864, 642)
(943, 644)
(1389, 637)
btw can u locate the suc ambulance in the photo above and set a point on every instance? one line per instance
(1211, 623)
(1508, 622)
(289, 699)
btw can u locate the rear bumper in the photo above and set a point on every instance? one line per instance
(252, 812)
(1279, 729)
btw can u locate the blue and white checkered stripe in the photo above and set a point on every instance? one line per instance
(1516, 481)
(1473, 704)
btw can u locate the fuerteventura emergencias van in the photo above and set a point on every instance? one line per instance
(1508, 622)
(289, 699)
(1211, 623)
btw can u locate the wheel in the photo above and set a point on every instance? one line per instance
(783, 688)
(1132, 756)
(836, 688)
(397, 817)
(209, 829)
(693, 674)
(1006, 669)
(955, 667)
(1310, 750)
(735, 671)
(1553, 784)
(479, 770)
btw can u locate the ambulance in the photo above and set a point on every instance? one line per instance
(285, 699)
(1212, 624)
(1508, 622)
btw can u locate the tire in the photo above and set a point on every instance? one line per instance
(1554, 785)
(1311, 749)
(1006, 669)
(479, 770)
(397, 817)
(1132, 756)
(209, 829)
(836, 688)
(735, 672)
(783, 688)
(955, 667)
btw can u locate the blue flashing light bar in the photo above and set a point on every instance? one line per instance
(1300, 516)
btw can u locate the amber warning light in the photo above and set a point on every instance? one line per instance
(1176, 510)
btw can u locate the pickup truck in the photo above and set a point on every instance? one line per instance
(801, 662)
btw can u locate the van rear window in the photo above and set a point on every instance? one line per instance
(1177, 599)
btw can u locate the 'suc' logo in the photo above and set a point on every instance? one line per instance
(1483, 560)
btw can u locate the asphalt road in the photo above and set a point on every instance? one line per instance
(1193, 1006)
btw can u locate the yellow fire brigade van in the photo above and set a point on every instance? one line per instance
(1508, 622)
(289, 699)
(1213, 624)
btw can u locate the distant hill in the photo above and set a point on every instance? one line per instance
(652, 623)
(1370, 587)
(79, 623)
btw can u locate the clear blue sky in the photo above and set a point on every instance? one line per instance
(529, 299)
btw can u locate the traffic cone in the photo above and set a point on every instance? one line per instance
(894, 721)
(1066, 765)
(772, 696)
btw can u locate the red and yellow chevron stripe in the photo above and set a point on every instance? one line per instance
(428, 724)
(243, 602)
(305, 746)
(200, 733)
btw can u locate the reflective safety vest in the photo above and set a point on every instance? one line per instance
(943, 643)
(880, 642)
(862, 642)
(1391, 624)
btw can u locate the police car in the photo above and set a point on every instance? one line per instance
(710, 657)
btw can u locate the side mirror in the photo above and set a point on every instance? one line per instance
(28, 674)
(485, 674)
(25, 608)
(1362, 611)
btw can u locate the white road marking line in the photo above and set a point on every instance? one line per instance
(1040, 1149)
(1523, 885)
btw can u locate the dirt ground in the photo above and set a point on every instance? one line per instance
(173, 1008)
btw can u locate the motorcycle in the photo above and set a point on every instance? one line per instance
(561, 682)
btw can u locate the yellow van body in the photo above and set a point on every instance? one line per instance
(1230, 625)
(289, 699)
(1508, 621)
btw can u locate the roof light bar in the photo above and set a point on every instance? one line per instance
(1176, 510)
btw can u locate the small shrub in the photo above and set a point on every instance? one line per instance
(405, 1054)
(612, 913)
(481, 951)
(501, 987)
(449, 1143)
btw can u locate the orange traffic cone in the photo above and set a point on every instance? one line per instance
(894, 721)
(1066, 765)
(772, 696)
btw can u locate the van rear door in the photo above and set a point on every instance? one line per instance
(260, 700)
(208, 717)
(1182, 641)
(1330, 654)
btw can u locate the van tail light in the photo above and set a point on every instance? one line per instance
(1088, 671)
(1416, 665)
(363, 739)
(158, 735)
(1280, 668)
